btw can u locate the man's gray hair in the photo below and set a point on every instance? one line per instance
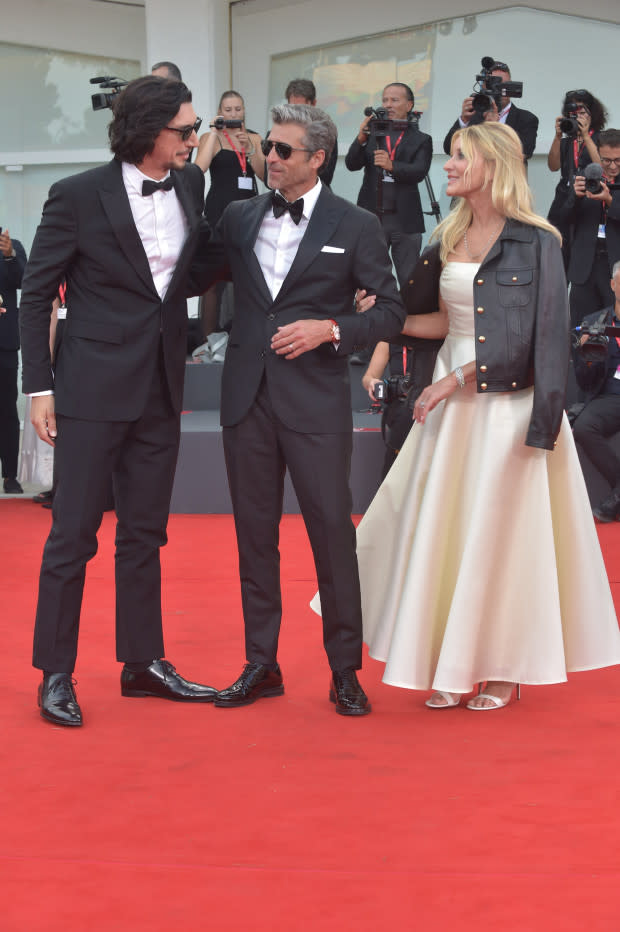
(615, 269)
(320, 129)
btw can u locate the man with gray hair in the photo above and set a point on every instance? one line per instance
(296, 256)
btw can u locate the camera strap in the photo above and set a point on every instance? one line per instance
(578, 148)
(240, 153)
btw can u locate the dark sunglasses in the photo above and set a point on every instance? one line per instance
(185, 131)
(283, 150)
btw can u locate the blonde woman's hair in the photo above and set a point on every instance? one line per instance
(500, 148)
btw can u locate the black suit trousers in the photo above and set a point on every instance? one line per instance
(593, 430)
(9, 419)
(258, 450)
(140, 457)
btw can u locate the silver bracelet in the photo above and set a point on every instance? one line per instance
(460, 378)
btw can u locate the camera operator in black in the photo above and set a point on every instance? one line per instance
(595, 218)
(574, 146)
(396, 162)
(524, 123)
(576, 134)
(411, 361)
(600, 418)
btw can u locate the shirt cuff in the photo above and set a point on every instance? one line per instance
(39, 394)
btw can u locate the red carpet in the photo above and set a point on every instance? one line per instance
(283, 815)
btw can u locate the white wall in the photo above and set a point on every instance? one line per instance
(108, 29)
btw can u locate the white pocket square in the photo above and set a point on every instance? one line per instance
(332, 249)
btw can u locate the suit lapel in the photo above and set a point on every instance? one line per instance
(323, 222)
(115, 203)
(194, 217)
(255, 209)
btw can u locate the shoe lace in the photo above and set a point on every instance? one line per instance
(64, 688)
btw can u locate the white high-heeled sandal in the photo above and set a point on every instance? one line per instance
(452, 700)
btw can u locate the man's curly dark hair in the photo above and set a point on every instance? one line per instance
(141, 110)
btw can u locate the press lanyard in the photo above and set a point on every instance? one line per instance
(62, 293)
(392, 151)
(243, 161)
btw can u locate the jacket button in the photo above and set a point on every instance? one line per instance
(514, 384)
(271, 316)
(410, 282)
(483, 386)
(480, 310)
(480, 281)
(483, 368)
(514, 278)
(482, 339)
(426, 262)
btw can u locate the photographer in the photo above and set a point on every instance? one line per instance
(411, 360)
(232, 155)
(592, 208)
(576, 134)
(524, 123)
(395, 157)
(574, 146)
(600, 418)
(12, 264)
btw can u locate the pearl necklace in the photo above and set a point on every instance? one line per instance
(476, 255)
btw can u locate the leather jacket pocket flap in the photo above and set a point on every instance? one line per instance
(513, 286)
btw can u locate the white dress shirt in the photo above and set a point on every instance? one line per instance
(278, 241)
(161, 225)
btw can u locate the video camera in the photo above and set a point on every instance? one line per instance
(381, 125)
(220, 123)
(489, 88)
(109, 84)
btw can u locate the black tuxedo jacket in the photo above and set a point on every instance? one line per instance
(524, 123)
(585, 215)
(411, 165)
(343, 249)
(115, 316)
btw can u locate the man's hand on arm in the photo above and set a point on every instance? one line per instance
(467, 110)
(363, 300)
(43, 417)
(293, 340)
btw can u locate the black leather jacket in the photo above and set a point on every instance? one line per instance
(522, 323)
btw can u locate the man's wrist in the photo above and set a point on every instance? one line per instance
(334, 332)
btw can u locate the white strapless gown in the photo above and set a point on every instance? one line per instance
(479, 558)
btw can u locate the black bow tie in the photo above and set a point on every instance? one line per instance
(149, 187)
(281, 205)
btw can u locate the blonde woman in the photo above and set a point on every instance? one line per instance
(479, 559)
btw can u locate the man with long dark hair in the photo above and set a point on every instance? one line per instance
(122, 236)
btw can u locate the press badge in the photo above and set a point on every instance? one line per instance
(245, 183)
(601, 231)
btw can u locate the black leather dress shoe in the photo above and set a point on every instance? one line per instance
(161, 679)
(609, 508)
(256, 682)
(12, 487)
(57, 699)
(346, 692)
